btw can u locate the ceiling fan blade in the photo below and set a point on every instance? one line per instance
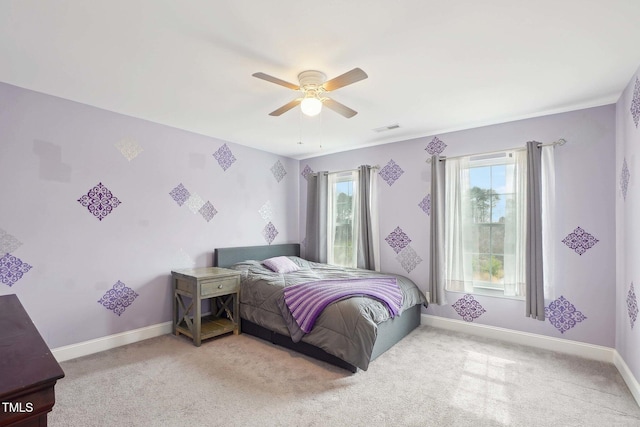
(286, 107)
(339, 108)
(275, 80)
(345, 79)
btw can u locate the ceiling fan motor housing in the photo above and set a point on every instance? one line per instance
(312, 79)
(313, 86)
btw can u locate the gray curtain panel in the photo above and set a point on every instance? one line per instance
(437, 249)
(533, 252)
(366, 255)
(316, 239)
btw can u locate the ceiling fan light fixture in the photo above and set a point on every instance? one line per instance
(311, 105)
(313, 86)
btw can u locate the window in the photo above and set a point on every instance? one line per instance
(485, 220)
(342, 221)
(488, 198)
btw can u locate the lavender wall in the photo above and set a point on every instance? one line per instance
(627, 225)
(585, 176)
(63, 259)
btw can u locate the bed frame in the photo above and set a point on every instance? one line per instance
(389, 332)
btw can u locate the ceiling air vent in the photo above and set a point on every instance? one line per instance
(386, 128)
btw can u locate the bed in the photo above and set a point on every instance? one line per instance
(349, 333)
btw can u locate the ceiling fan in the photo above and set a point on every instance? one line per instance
(313, 85)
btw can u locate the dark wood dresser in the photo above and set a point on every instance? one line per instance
(28, 370)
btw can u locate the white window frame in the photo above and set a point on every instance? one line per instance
(464, 282)
(483, 287)
(333, 256)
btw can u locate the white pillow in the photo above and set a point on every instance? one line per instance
(280, 264)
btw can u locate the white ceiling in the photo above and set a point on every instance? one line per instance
(433, 65)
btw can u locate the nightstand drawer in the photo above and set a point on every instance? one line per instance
(228, 285)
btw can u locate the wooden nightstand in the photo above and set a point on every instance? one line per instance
(221, 286)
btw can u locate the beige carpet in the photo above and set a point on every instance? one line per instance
(431, 378)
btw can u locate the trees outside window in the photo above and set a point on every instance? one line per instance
(484, 223)
(342, 221)
(487, 199)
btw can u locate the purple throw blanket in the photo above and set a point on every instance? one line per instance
(307, 300)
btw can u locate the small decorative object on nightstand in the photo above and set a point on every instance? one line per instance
(221, 286)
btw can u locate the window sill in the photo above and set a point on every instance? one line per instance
(488, 293)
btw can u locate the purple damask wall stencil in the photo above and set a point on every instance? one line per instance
(208, 211)
(8, 243)
(180, 194)
(12, 269)
(425, 204)
(99, 201)
(624, 179)
(635, 103)
(398, 239)
(408, 259)
(436, 146)
(563, 315)
(468, 308)
(278, 171)
(306, 172)
(580, 241)
(269, 232)
(632, 305)
(129, 148)
(391, 172)
(118, 298)
(225, 157)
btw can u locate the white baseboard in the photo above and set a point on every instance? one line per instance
(589, 351)
(85, 348)
(627, 376)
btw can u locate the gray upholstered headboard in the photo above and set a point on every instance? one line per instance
(224, 257)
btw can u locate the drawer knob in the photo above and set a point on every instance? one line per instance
(219, 286)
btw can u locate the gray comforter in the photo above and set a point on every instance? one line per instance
(346, 329)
